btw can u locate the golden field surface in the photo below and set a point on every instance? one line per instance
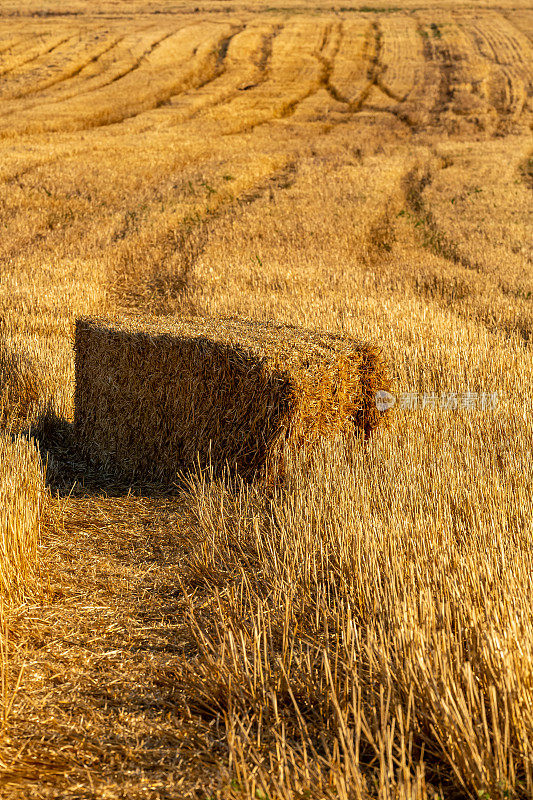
(366, 630)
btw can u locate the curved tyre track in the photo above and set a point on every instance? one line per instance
(23, 62)
(174, 62)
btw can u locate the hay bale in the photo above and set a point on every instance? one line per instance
(156, 395)
(22, 490)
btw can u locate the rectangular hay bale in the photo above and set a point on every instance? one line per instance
(156, 395)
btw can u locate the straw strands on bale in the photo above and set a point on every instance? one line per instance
(153, 396)
(21, 498)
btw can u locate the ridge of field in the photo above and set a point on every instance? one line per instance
(466, 69)
(367, 632)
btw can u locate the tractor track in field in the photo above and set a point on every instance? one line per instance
(266, 48)
(327, 62)
(370, 56)
(42, 87)
(13, 43)
(35, 58)
(262, 62)
(194, 83)
(219, 72)
(140, 60)
(96, 653)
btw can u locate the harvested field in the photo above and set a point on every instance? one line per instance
(361, 630)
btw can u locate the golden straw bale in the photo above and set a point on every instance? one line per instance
(156, 395)
(22, 490)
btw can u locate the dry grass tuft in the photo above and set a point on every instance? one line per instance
(348, 658)
(21, 385)
(21, 498)
(156, 395)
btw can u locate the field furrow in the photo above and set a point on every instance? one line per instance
(29, 50)
(510, 54)
(292, 72)
(418, 104)
(507, 92)
(351, 72)
(9, 41)
(124, 55)
(240, 70)
(466, 72)
(50, 106)
(173, 62)
(521, 21)
(64, 62)
(402, 61)
(500, 41)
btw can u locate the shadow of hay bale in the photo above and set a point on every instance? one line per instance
(157, 396)
(70, 473)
